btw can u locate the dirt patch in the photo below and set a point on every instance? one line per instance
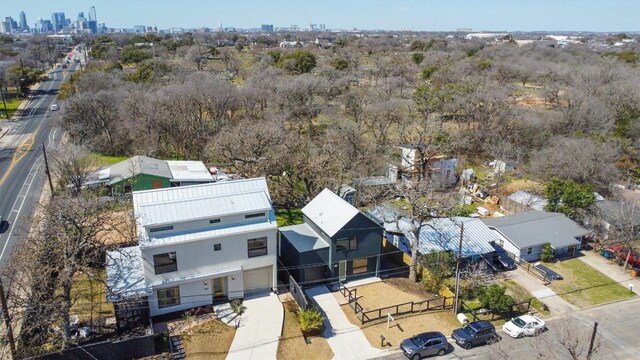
(292, 344)
(408, 286)
(120, 228)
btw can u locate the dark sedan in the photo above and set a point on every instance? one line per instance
(425, 344)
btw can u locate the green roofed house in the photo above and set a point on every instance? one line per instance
(145, 173)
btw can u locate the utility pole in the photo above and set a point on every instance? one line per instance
(7, 321)
(593, 339)
(457, 296)
(46, 164)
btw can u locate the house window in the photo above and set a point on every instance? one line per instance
(257, 247)
(250, 216)
(214, 221)
(168, 297)
(360, 266)
(501, 243)
(164, 263)
(529, 250)
(161, 228)
(346, 244)
(217, 247)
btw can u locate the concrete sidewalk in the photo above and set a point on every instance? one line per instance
(259, 330)
(554, 302)
(610, 269)
(346, 339)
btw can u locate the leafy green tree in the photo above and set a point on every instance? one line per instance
(495, 299)
(239, 45)
(297, 62)
(418, 45)
(417, 58)
(568, 197)
(547, 253)
(427, 72)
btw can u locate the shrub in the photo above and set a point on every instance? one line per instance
(297, 62)
(310, 319)
(495, 299)
(547, 253)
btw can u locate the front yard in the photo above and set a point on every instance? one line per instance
(292, 343)
(521, 294)
(584, 286)
(392, 292)
(89, 300)
(210, 340)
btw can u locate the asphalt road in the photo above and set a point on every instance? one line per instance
(22, 174)
(618, 337)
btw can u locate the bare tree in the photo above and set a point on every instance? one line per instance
(71, 166)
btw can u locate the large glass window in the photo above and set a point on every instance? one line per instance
(164, 263)
(346, 244)
(168, 297)
(360, 265)
(257, 247)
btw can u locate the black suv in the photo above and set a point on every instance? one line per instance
(475, 333)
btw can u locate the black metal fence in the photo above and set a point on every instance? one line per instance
(482, 314)
(297, 293)
(133, 348)
(412, 307)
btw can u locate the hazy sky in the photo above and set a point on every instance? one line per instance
(434, 15)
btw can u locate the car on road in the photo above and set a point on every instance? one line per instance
(76, 61)
(425, 344)
(548, 273)
(54, 107)
(64, 66)
(475, 333)
(525, 325)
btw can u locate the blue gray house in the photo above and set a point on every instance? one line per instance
(335, 242)
(441, 234)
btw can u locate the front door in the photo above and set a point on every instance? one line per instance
(218, 287)
(342, 270)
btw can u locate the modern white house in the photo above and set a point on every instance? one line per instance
(197, 244)
(418, 160)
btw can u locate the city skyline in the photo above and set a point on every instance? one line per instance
(435, 15)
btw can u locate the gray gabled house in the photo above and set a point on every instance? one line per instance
(524, 234)
(335, 242)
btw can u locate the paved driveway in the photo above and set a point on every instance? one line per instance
(259, 330)
(346, 340)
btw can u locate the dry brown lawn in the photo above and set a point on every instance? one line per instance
(388, 293)
(392, 292)
(521, 184)
(292, 345)
(210, 340)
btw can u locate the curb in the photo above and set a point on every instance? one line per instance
(636, 297)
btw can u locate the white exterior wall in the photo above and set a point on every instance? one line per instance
(196, 259)
(194, 225)
(408, 159)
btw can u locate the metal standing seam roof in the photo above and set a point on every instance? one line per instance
(444, 234)
(528, 199)
(138, 164)
(303, 238)
(195, 209)
(189, 171)
(198, 191)
(125, 277)
(535, 228)
(329, 212)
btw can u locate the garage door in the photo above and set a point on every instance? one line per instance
(314, 273)
(258, 279)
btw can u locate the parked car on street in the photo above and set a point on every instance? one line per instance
(54, 107)
(525, 325)
(425, 344)
(548, 273)
(475, 333)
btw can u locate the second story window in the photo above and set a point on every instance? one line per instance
(217, 247)
(347, 244)
(256, 215)
(214, 221)
(257, 247)
(161, 228)
(164, 263)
